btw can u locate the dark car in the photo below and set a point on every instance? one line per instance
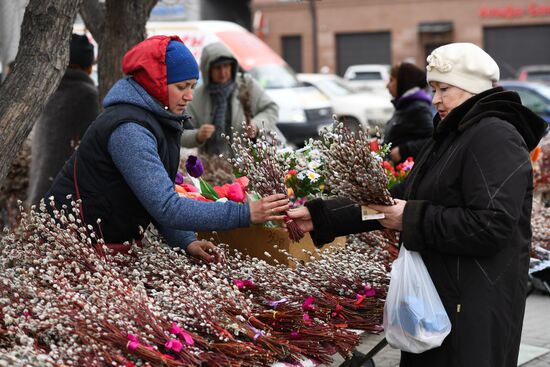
(535, 96)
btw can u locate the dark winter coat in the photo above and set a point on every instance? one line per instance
(103, 189)
(67, 115)
(468, 213)
(411, 125)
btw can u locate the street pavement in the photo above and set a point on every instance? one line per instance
(535, 339)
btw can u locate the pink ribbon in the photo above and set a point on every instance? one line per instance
(307, 318)
(367, 291)
(176, 330)
(308, 304)
(360, 298)
(133, 342)
(174, 344)
(242, 284)
(337, 310)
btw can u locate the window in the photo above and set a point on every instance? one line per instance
(532, 100)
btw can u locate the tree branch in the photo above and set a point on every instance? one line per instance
(93, 15)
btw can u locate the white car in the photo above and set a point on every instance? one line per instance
(365, 110)
(369, 77)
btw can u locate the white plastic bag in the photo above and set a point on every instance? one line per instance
(414, 317)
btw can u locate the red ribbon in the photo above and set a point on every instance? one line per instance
(337, 310)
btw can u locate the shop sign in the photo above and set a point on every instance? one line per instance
(511, 11)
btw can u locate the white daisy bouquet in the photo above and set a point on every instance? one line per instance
(305, 179)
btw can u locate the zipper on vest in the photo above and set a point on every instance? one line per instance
(458, 281)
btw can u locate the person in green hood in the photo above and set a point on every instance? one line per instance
(225, 100)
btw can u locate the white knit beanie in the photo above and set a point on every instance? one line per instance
(463, 65)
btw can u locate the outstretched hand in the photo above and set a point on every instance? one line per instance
(205, 251)
(393, 214)
(251, 131)
(395, 155)
(271, 207)
(302, 217)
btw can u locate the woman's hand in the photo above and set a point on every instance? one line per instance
(393, 214)
(302, 217)
(271, 207)
(395, 155)
(251, 131)
(205, 251)
(205, 132)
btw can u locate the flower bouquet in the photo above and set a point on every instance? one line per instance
(398, 173)
(195, 187)
(305, 177)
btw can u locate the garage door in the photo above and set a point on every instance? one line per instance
(362, 48)
(513, 47)
(292, 52)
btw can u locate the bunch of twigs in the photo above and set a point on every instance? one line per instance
(355, 170)
(72, 302)
(257, 159)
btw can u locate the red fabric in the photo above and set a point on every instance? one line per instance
(146, 62)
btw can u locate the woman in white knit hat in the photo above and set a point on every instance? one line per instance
(466, 207)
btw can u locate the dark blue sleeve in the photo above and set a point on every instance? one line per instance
(133, 149)
(177, 238)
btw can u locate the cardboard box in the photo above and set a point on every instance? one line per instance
(255, 241)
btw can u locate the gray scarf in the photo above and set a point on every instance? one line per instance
(220, 94)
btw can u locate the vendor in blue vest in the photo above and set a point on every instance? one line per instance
(126, 164)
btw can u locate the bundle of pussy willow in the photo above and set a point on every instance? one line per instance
(353, 169)
(258, 160)
(64, 302)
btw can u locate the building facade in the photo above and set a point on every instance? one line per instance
(514, 32)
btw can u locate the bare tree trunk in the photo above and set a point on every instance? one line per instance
(40, 63)
(124, 27)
